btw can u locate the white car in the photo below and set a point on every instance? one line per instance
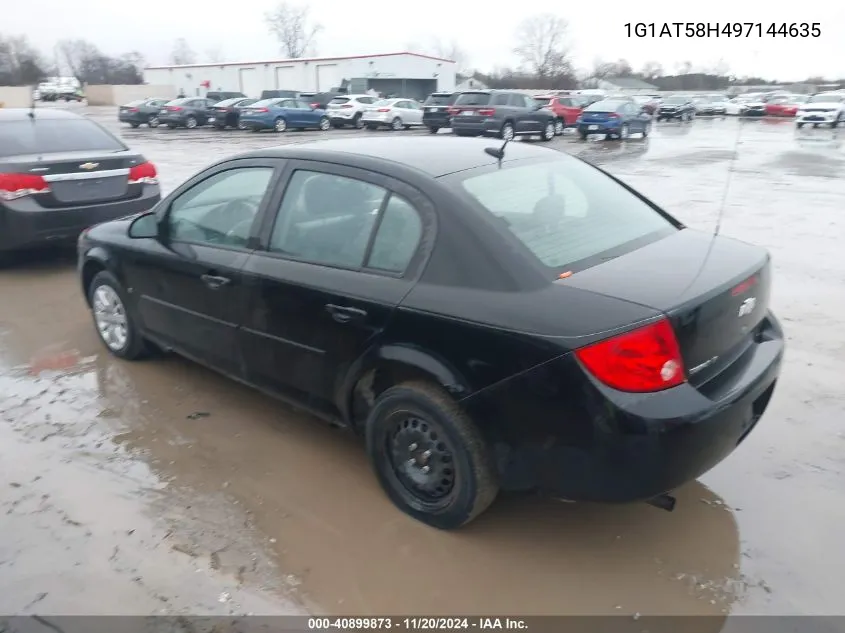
(393, 113)
(348, 110)
(826, 108)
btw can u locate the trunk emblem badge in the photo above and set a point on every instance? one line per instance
(89, 165)
(747, 307)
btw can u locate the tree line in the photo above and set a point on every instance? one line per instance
(541, 45)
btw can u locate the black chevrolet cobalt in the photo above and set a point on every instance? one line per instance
(487, 319)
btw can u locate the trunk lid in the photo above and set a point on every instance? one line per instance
(714, 289)
(595, 117)
(78, 178)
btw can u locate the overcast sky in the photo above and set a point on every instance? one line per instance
(484, 29)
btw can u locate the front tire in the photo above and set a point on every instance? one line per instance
(429, 457)
(115, 325)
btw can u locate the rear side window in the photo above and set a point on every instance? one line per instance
(47, 136)
(565, 212)
(473, 99)
(438, 100)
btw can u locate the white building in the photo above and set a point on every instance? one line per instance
(402, 74)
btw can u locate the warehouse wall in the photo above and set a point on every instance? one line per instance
(117, 95)
(15, 96)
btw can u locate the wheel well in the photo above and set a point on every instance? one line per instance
(90, 270)
(376, 381)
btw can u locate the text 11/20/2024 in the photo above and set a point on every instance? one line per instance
(723, 29)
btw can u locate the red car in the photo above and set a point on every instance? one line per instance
(784, 105)
(567, 110)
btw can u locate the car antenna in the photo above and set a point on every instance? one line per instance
(497, 153)
(31, 113)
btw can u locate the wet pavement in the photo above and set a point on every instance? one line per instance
(159, 486)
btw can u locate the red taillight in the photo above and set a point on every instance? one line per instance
(745, 285)
(145, 174)
(486, 111)
(612, 115)
(14, 186)
(346, 105)
(384, 110)
(174, 108)
(644, 360)
(133, 109)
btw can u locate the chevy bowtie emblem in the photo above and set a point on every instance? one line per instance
(89, 165)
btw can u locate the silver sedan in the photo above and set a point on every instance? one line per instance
(393, 113)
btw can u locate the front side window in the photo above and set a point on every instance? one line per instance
(221, 209)
(565, 212)
(326, 219)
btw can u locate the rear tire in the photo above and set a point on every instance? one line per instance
(507, 132)
(191, 122)
(357, 123)
(324, 124)
(560, 126)
(396, 124)
(548, 132)
(429, 457)
(583, 135)
(280, 125)
(153, 121)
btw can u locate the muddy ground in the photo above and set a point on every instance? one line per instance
(159, 486)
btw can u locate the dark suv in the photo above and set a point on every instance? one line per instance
(676, 107)
(502, 113)
(436, 110)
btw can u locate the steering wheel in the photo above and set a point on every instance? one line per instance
(240, 232)
(229, 214)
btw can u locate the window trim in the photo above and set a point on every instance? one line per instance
(275, 165)
(419, 201)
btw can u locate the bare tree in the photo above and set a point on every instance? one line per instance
(215, 54)
(290, 24)
(541, 45)
(652, 70)
(78, 55)
(20, 63)
(451, 50)
(182, 53)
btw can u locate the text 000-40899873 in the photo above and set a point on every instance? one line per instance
(723, 29)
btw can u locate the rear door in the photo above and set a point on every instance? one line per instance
(569, 109)
(188, 283)
(333, 263)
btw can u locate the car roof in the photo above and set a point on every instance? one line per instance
(434, 156)
(19, 114)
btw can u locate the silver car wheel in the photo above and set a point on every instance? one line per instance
(110, 317)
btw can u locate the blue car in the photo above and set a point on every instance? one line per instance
(615, 118)
(280, 115)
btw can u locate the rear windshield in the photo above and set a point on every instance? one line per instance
(339, 100)
(47, 136)
(266, 102)
(473, 99)
(135, 104)
(604, 106)
(438, 100)
(543, 101)
(227, 102)
(568, 214)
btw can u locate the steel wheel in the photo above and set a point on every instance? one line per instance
(507, 132)
(153, 122)
(421, 458)
(559, 127)
(280, 125)
(110, 317)
(396, 124)
(190, 123)
(325, 124)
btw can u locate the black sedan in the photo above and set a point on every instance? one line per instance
(141, 112)
(677, 107)
(228, 113)
(60, 173)
(189, 112)
(486, 318)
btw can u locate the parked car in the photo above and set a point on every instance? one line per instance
(711, 105)
(436, 110)
(280, 115)
(60, 173)
(393, 113)
(227, 113)
(484, 325)
(348, 109)
(279, 94)
(189, 112)
(614, 119)
(754, 106)
(217, 95)
(501, 113)
(319, 100)
(141, 112)
(785, 105)
(676, 107)
(566, 110)
(826, 108)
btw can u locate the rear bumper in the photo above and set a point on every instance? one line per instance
(26, 224)
(818, 117)
(610, 446)
(437, 120)
(132, 118)
(487, 126)
(599, 127)
(670, 115)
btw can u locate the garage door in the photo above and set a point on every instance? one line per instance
(248, 82)
(285, 78)
(328, 77)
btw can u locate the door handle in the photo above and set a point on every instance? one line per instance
(215, 281)
(345, 314)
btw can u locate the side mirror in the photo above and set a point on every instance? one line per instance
(144, 226)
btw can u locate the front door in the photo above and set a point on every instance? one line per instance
(330, 270)
(528, 117)
(188, 283)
